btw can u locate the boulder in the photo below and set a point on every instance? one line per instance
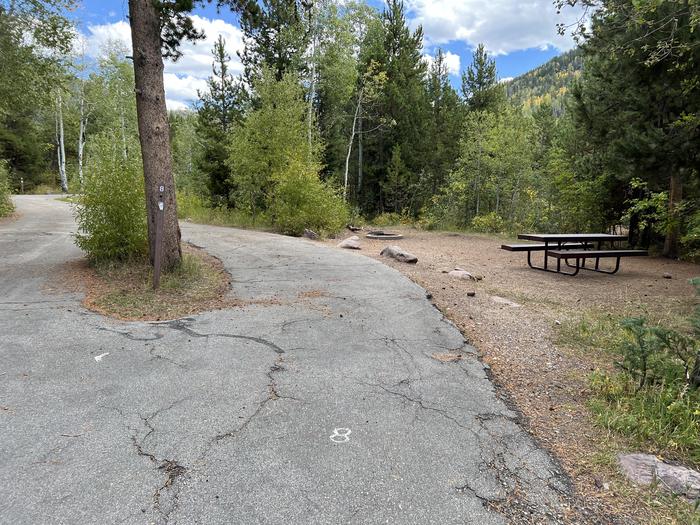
(398, 254)
(646, 469)
(459, 273)
(351, 243)
(310, 234)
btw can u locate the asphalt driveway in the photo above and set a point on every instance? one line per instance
(320, 401)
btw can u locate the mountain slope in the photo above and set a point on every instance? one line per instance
(548, 83)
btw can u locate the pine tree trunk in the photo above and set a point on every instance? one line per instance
(153, 129)
(675, 195)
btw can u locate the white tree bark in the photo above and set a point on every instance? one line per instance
(60, 144)
(352, 139)
(359, 152)
(312, 74)
(81, 137)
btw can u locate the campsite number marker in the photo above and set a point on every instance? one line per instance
(341, 435)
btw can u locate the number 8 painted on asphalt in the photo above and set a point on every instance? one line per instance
(341, 435)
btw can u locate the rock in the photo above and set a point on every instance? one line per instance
(398, 254)
(461, 274)
(667, 275)
(646, 469)
(351, 243)
(310, 234)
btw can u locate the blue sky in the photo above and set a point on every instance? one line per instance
(521, 35)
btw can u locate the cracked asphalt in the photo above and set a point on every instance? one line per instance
(319, 402)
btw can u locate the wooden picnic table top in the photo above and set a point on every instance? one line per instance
(563, 237)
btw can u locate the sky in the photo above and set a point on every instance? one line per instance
(520, 35)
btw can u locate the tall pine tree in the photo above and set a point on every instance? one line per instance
(219, 110)
(638, 101)
(480, 87)
(445, 125)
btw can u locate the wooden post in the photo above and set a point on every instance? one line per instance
(157, 259)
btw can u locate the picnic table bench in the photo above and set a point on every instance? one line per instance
(577, 246)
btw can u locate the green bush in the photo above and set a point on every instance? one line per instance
(691, 240)
(488, 223)
(392, 219)
(300, 200)
(6, 206)
(111, 210)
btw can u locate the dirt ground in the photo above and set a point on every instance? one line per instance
(514, 319)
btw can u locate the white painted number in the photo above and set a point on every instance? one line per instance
(341, 435)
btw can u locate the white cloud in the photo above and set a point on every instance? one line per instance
(189, 73)
(176, 105)
(502, 25)
(182, 87)
(452, 62)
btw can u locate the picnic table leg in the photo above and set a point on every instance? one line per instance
(559, 260)
(597, 260)
(617, 267)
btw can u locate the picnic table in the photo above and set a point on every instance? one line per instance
(577, 246)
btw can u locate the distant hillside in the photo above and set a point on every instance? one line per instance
(548, 83)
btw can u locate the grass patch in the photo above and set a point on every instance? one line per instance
(593, 333)
(44, 189)
(664, 418)
(70, 199)
(195, 209)
(642, 390)
(125, 290)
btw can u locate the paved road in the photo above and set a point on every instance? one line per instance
(322, 406)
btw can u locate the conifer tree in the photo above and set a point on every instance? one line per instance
(480, 87)
(275, 36)
(219, 110)
(445, 125)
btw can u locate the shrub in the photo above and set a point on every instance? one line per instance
(275, 167)
(301, 200)
(392, 219)
(111, 210)
(488, 223)
(6, 206)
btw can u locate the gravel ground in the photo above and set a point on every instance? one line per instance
(513, 319)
